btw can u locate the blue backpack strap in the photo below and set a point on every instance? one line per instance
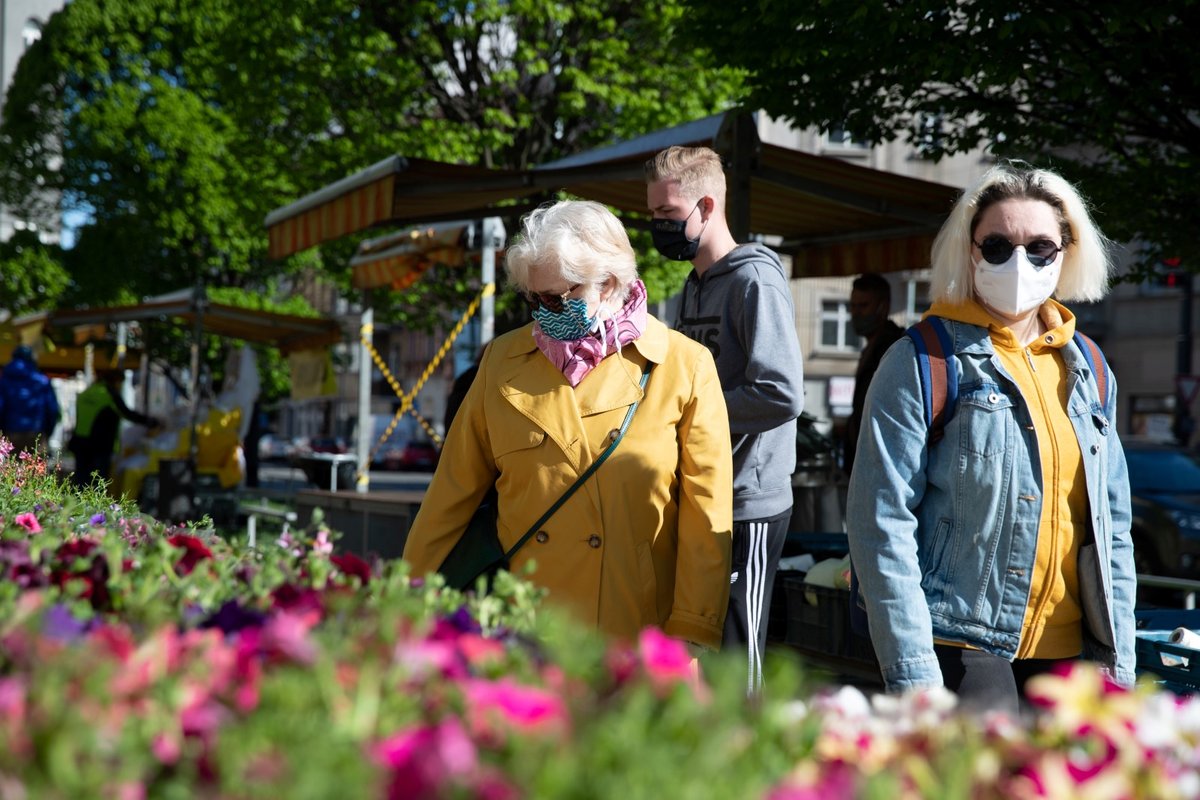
(1096, 363)
(939, 376)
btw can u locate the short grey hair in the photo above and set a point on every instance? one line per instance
(1087, 263)
(581, 240)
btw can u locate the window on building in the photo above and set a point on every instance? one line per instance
(837, 333)
(838, 138)
(915, 299)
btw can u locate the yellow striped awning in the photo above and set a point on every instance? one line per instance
(396, 191)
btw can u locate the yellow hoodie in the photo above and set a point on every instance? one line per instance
(1053, 617)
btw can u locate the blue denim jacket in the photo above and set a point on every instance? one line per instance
(943, 538)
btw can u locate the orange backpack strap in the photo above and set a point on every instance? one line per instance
(1096, 363)
(938, 373)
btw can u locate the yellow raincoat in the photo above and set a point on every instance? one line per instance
(646, 540)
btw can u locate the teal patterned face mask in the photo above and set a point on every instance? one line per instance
(569, 324)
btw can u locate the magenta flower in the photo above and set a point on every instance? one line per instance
(509, 705)
(29, 522)
(426, 761)
(285, 635)
(830, 781)
(665, 660)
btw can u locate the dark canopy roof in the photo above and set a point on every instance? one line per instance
(834, 218)
(287, 332)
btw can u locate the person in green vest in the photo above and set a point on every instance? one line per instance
(99, 410)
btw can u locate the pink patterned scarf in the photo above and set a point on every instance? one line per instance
(578, 357)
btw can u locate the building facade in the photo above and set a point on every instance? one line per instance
(1142, 327)
(21, 23)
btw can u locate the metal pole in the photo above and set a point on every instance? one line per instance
(1184, 425)
(487, 261)
(199, 303)
(741, 163)
(365, 429)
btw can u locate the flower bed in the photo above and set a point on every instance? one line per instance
(141, 661)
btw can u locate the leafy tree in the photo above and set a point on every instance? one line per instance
(30, 273)
(1106, 91)
(176, 126)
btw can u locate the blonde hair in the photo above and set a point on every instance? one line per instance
(697, 169)
(580, 240)
(1086, 265)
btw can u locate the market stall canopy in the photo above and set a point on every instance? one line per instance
(287, 332)
(397, 191)
(398, 259)
(832, 217)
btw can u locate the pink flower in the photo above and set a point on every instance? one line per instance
(166, 748)
(29, 522)
(525, 709)
(322, 544)
(826, 781)
(427, 761)
(665, 660)
(285, 635)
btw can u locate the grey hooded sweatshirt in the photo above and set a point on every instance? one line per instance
(741, 310)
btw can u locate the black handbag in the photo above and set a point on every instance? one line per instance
(478, 552)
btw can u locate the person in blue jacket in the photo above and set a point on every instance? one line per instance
(1002, 549)
(29, 409)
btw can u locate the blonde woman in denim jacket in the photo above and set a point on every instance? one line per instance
(1002, 549)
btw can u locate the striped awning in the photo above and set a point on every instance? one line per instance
(832, 216)
(397, 191)
(287, 332)
(398, 259)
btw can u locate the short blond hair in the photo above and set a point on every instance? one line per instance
(1087, 263)
(581, 240)
(698, 171)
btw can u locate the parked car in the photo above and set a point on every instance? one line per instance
(1165, 485)
(328, 444)
(420, 456)
(389, 455)
(271, 448)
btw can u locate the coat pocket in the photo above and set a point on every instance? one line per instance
(1097, 613)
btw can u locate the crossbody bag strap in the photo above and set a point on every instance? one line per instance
(587, 473)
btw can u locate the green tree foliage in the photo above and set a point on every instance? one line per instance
(176, 126)
(1106, 91)
(30, 273)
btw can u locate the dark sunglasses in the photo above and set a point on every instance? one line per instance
(551, 302)
(998, 250)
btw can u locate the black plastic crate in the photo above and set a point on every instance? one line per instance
(777, 616)
(1176, 666)
(824, 629)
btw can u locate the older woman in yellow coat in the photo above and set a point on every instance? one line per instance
(646, 540)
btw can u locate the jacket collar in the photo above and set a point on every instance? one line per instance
(538, 390)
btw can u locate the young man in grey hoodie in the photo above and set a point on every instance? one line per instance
(737, 302)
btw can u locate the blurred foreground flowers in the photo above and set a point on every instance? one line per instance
(139, 661)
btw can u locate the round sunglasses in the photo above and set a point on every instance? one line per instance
(551, 302)
(998, 250)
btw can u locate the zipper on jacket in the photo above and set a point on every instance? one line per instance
(1029, 358)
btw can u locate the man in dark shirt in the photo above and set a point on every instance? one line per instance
(870, 302)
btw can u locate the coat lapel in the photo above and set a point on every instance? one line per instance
(533, 386)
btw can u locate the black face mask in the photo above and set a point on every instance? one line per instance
(671, 240)
(868, 324)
